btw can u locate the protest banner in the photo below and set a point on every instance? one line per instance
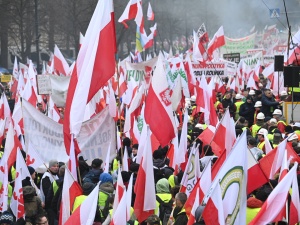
(209, 69)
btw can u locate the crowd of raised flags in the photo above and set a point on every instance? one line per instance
(160, 103)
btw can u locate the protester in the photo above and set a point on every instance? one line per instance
(96, 170)
(6, 218)
(179, 213)
(269, 104)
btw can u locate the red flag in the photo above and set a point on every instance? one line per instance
(150, 13)
(94, 67)
(145, 201)
(276, 200)
(60, 63)
(295, 203)
(159, 100)
(85, 213)
(129, 12)
(216, 42)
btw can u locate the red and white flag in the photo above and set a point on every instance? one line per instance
(181, 150)
(150, 13)
(145, 201)
(216, 42)
(95, 65)
(213, 213)
(5, 113)
(225, 133)
(120, 217)
(295, 203)
(256, 176)
(72, 159)
(233, 176)
(60, 64)
(192, 219)
(129, 12)
(276, 200)
(71, 189)
(85, 213)
(4, 188)
(151, 36)
(17, 201)
(120, 188)
(294, 49)
(159, 100)
(107, 160)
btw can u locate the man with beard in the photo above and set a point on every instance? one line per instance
(179, 213)
(247, 110)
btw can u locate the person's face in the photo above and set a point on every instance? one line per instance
(54, 169)
(245, 93)
(33, 176)
(249, 100)
(134, 151)
(44, 221)
(259, 136)
(228, 96)
(268, 94)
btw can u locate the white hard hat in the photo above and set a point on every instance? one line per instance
(262, 131)
(277, 112)
(238, 96)
(200, 126)
(273, 120)
(283, 93)
(251, 92)
(260, 116)
(193, 98)
(257, 104)
(293, 137)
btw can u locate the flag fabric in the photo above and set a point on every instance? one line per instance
(17, 201)
(145, 201)
(213, 213)
(73, 159)
(256, 176)
(33, 158)
(129, 12)
(120, 188)
(294, 49)
(71, 189)
(141, 36)
(95, 65)
(120, 215)
(216, 42)
(295, 203)
(107, 159)
(150, 39)
(85, 213)
(192, 219)
(60, 64)
(15, 69)
(276, 200)
(232, 178)
(158, 100)
(150, 13)
(180, 151)
(4, 188)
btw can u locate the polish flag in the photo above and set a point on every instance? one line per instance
(120, 191)
(206, 138)
(181, 150)
(151, 36)
(145, 201)
(159, 100)
(213, 213)
(278, 159)
(294, 49)
(125, 160)
(129, 12)
(198, 48)
(268, 72)
(81, 37)
(225, 133)
(234, 199)
(150, 13)
(129, 197)
(5, 113)
(71, 189)
(192, 219)
(216, 42)
(17, 201)
(72, 159)
(94, 67)
(295, 203)
(268, 146)
(256, 176)
(276, 200)
(11, 145)
(60, 63)
(33, 158)
(85, 213)
(28, 94)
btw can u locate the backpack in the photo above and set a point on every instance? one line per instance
(91, 177)
(165, 210)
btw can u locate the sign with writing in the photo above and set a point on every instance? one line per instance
(43, 84)
(240, 45)
(209, 69)
(232, 57)
(5, 78)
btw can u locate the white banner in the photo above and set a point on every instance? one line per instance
(209, 69)
(46, 135)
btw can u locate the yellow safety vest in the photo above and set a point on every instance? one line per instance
(165, 197)
(55, 187)
(251, 213)
(261, 145)
(255, 128)
(10, 192)
(216, 104)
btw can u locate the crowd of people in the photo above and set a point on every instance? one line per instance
(257, 111)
